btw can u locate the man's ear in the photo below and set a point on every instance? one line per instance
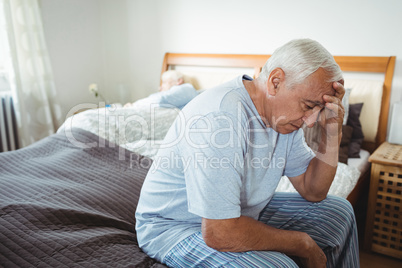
(180, 81)
(275, 80)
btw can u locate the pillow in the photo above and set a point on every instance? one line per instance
(345, 103)
(357, 136)
(347, 132)
(368, 92)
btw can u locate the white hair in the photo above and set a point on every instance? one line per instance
(172, 74)
(299, 59)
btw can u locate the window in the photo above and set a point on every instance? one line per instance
(4, 52)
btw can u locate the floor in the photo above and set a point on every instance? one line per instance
(373, 260)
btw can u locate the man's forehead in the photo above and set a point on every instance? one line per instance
(316, 97)
(328, 89)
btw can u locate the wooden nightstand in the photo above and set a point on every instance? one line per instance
(384, 211)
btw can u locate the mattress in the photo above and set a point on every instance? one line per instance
(362, 164)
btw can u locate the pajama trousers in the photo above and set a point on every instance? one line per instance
(331, 223)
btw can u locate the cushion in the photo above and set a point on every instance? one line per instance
(357, 136)
(345, 103)
(347, 132)
(368, 92)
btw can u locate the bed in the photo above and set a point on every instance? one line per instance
(69, 199)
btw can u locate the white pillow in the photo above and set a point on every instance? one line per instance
(345, 103)
(368, 92)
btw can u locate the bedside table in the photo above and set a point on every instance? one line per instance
(384, 211)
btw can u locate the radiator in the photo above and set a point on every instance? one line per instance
(8, 123)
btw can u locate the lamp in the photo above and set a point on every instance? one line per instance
(395, 131)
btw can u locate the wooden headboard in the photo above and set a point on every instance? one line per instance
(383, 65)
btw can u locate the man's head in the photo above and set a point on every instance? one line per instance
(300, 58)
(171, 78)
(296, 78)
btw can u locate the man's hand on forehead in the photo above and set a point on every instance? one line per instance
(334, 110)
(338, 92)
(339, 89)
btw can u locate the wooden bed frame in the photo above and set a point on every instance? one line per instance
(382, 65)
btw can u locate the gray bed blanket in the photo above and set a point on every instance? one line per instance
(65, 206)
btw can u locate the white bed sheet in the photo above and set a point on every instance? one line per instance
(362, 163)
(139, 129)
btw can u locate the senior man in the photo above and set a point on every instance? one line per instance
(209, 199)
(173, 92)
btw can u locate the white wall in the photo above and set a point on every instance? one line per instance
(123, 41)
(115, 48)
(88, 43)
(73, 34)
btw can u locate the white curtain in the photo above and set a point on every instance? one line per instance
(30, 73)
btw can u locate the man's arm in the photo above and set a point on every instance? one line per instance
(314, 184)
(246, 234)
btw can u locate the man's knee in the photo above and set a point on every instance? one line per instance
(263, 259)
(340, 206)
(339, 217)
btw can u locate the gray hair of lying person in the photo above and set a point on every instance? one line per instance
(300, 58)
(173, 75)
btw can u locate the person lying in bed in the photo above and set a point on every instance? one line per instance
(209, 198)
(173, 92)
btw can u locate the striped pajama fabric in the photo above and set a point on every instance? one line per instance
(331, 223)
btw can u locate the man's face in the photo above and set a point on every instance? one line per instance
(301, 104)
(167, 83)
